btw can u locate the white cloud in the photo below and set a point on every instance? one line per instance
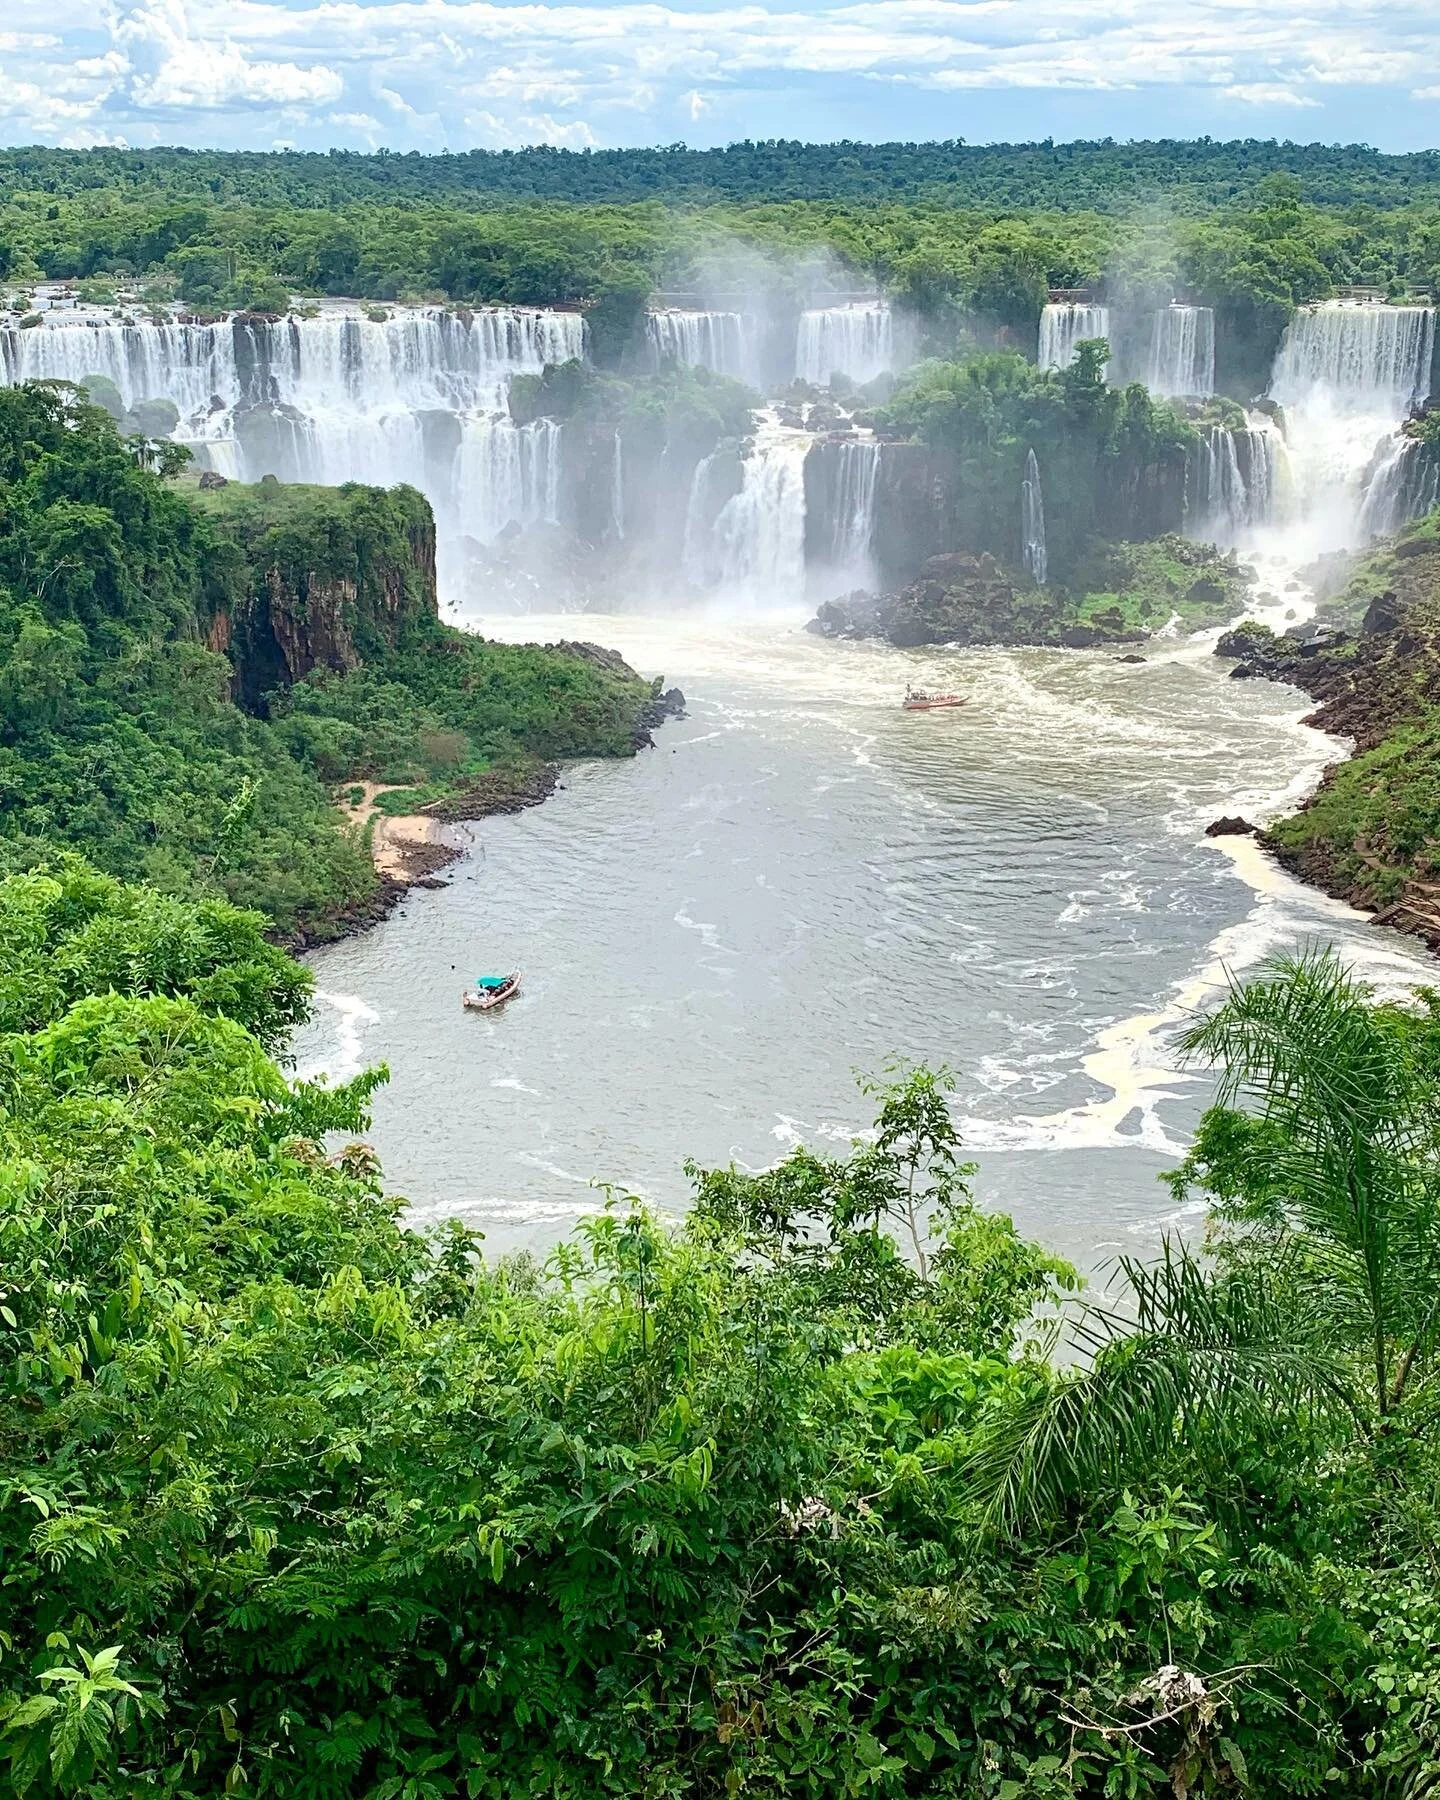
(174, 67)
(437, 70)
(1267, 93)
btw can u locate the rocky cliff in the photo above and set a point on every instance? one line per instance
(1371, 832)
(325, 578)
(1130, 592)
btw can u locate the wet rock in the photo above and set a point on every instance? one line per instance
(1128, 659)
(1229, 826)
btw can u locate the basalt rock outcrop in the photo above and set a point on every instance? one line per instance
(970, 601)
(320, 578)
(1370, 834)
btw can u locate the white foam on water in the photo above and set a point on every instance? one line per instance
(344, 1057)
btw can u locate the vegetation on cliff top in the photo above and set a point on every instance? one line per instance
(1371, 832)
(118, 733)
(1112, 460)
(781, 1500)
(969, 600)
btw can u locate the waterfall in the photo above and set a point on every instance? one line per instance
(417, 358)
(417, 395)
(188, 364)
(759, 533)
(851, 508)
(1376, 355)
(1182, 352)
(721, 341)
(1404, 485)
(855, 341)
(1065, 324)
(1346, 374)
(508, 474)
(1032, 521)
(617, 488)
(695, 548)
(1236, 482)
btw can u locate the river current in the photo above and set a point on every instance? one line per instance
(801, 881)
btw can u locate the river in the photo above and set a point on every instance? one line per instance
(802, 881)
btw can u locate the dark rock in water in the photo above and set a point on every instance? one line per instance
(963, 599)
(667, 703)
(1231, 827)
(1245, 672)
(1257, 649)
(1132, 658)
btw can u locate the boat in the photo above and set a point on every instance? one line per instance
(915, 701)
(491, 991)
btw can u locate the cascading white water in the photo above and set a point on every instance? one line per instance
(1064, 325)
(1237, 482)
(1032, 521)
(1346, 374)
(1404, 484)
(187, 364)
(507, 474)
(1182, 352)
(1362, 350)
(856, 341)
(695, 548)
(416, 396)
(724, 342)
(852, 505)
(617, 487)
(759, 533)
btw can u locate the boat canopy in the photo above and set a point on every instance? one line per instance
(489, 983)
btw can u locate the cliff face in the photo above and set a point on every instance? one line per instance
(928, 503)
(325, 578)
(1125, 592)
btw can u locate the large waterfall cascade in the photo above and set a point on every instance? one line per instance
(1182, 352)
(1403, 484)
(1346, 374)
(1066, 324)
(1032, 521)
(416, 396)
(1239, 481)
(758, 537)
(857, 341)
(852, 506)
(728, 343)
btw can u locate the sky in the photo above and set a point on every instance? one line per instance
(472, 74)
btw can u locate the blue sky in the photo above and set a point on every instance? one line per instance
(464, 74)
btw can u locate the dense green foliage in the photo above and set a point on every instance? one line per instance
(1101, 175)
(1371, 832)
(1104, 453)
(1251, 230)
(781, 1500)
(118, 734)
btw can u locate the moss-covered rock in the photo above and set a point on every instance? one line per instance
(328, 578)
(1371, 832)
(1138, 589)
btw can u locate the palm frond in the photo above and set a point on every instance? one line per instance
(1195, 1348)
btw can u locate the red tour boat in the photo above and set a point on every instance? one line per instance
(917, 702)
